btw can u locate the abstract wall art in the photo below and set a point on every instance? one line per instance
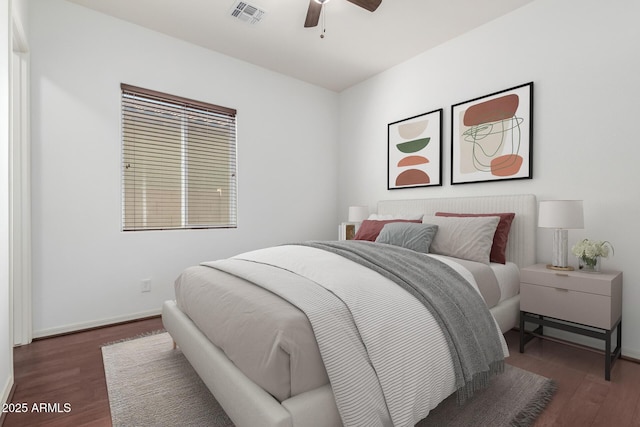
(492, 137)
(415, 151)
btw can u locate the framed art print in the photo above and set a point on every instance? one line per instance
(492, 137)
(414, 151)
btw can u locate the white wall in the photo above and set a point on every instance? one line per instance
(583, 59)
(85, 270)
(6, 346)
(579, 54)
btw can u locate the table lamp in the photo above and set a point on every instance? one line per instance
(561, 215)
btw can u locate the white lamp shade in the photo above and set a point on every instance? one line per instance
(358, 213)
(562, 214)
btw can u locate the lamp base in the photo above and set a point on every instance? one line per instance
(555, 267)
(559, 261)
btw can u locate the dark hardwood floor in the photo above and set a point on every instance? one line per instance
(68, 369)
(583, 397)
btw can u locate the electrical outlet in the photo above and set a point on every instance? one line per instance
(145, 285)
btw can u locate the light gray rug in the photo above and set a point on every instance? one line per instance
(150, 384)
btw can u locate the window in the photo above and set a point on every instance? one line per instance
(178, 162)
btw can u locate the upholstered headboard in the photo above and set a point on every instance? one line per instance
(521, 248)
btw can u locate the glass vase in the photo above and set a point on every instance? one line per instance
(589, 265)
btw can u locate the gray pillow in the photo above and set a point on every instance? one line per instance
(408, 235)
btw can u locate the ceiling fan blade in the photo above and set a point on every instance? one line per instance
(313, 14)
(370, 5)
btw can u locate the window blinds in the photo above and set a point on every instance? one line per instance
(178, 162)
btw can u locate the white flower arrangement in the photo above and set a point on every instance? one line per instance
(590, 250)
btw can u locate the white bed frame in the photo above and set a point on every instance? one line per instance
(249, 405)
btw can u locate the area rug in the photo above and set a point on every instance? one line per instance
(151, 384)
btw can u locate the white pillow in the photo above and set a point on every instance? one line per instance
(468, 238)
(387, 217)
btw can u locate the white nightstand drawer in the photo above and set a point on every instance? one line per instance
(600, 284)
(579, 307)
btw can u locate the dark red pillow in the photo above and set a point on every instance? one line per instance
(369, 229)
(500, 238)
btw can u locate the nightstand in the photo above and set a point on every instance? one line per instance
(583, 303)
(348, 230)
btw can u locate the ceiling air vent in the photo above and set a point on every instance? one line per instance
(246, 12)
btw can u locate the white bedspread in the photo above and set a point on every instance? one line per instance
(406, 352)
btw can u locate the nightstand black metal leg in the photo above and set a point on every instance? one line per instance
(521, 332)
(607, 356)
(610, 357)
(525, 336)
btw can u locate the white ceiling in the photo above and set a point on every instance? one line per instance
(357, 44)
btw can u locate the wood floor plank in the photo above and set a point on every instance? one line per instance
(635, 419)
(584, 405)
(619, 407)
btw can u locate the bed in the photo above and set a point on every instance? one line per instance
(310, 401)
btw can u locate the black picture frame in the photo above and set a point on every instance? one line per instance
(414, 151)
(492, 137)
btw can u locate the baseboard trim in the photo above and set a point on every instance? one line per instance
(83, 326)
(630, 356)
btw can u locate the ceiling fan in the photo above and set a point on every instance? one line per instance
(315, 7)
